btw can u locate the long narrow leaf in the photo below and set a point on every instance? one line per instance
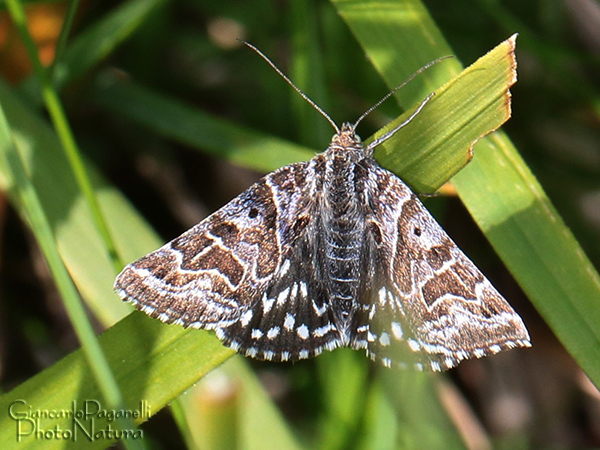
(94, 357)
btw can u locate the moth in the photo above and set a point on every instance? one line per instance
(328, 253)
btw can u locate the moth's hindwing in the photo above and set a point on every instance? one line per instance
(429, 304)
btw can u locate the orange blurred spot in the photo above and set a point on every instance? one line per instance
(44, 21)
(448, 189)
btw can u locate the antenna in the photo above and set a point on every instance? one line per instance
(368, 111)
(390, 133)
(401, 85)
(296, 88)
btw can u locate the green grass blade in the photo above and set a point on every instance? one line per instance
(260, 416)
(65, 31)
(101, 39)
(527, 233)
(95, 43)
(471, 105)
(42, 230)
(307, 71)
(420, 419)
(152, 362)
(173, 119)
(79, 243)
(343, 398)
(64, 132)
(26, 2)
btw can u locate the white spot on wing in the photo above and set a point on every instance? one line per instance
(321, 331)
(267, 303)
(284, 267)
(384, 338)
(164, 317)
(372, 312)
(495, 348)
(256, 333)
(302, 331)
(382, 293)
(283, 295)
(360, 343)
(414, 345)
(294, 291)
(147, 309)
(273, 332)
(289, 322)
(246, 317)
(303, 289)
(397, 330)
(319, 311)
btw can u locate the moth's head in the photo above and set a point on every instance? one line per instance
(346, 137)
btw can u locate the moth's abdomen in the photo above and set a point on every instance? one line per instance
(342, 237)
